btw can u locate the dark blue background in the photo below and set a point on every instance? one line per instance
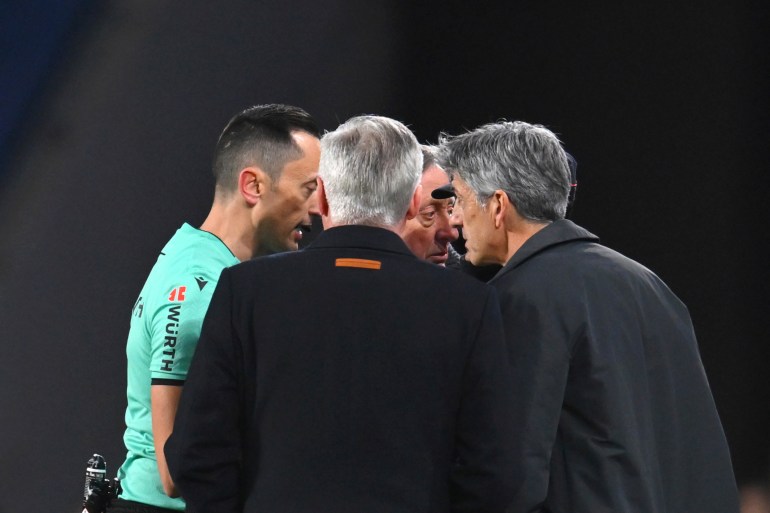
(35, 36)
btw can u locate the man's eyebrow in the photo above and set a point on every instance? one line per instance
(438, 202)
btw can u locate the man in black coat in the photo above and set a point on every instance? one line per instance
(351, 376)
(615, 412)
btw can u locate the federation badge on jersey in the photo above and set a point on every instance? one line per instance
(178, 294)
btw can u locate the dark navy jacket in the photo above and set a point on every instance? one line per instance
(348, 377)
(615, 412)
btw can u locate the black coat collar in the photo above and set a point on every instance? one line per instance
(555, 233)
(363, 237)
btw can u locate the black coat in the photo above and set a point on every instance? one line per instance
(323, 384)
(616, 412)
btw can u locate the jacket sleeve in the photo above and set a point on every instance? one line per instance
(539, 344)
(481, 476)
(204, 450)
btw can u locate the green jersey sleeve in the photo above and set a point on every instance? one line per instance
(176, 325)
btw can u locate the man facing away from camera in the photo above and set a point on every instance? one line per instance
(265, 166)
(341, 377)
(613, 407)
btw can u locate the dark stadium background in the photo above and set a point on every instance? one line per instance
(109, 112)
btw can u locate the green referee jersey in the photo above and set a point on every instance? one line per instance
(165, 327)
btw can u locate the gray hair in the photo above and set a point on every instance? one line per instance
(525, 161)
(370, 166)
(429, 156)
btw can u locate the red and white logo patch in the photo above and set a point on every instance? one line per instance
(178, 294)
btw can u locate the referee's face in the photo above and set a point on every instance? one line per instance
(289, 201)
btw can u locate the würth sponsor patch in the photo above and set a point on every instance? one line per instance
(169, 340)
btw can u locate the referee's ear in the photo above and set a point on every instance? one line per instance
(252, 184)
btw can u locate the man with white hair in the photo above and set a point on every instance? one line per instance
(332, 379)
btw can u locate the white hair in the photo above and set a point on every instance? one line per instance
(370, 166)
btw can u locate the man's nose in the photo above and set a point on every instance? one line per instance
(446, 231)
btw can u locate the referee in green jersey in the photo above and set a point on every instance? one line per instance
(265, 166)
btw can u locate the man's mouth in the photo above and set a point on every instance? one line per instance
(438, 258)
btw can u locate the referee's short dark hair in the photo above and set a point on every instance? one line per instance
(260, 136)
